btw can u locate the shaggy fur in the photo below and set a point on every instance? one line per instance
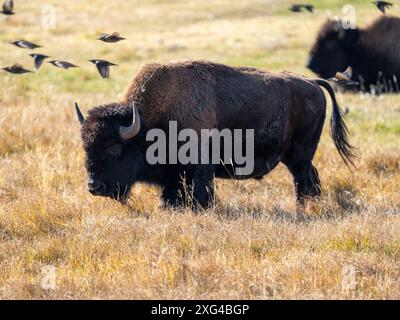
(286, 111)
(372, 52)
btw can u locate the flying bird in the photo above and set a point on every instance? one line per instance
(62, 64)
(8, 7)
(25, 44)
(17, 69)
(382, 5)
(110, 38)
(300, 7)
(103, 67)
(38, 59)
(344, 78)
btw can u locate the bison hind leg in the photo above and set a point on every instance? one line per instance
(305, 176)
(306, 181)
(298, 159)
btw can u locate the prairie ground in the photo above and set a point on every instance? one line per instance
(252, 245)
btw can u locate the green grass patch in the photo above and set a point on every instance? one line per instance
(388, 127)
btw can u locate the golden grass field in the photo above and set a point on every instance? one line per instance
(252, 245)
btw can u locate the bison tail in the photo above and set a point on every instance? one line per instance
(338, 128)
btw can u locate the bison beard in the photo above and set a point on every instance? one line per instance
(286, 112)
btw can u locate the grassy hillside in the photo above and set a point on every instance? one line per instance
(252, 245)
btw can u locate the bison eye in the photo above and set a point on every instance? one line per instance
(114, 150)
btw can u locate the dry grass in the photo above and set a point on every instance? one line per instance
(252, 245)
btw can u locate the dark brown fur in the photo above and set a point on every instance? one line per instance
(286, 111)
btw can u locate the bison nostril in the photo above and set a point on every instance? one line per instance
(96, 187)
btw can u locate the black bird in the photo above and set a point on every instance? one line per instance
(299, 7)
(103, 67)
(110, 38)
(8, 7)
(62, 64)
(25, 44)
(382, 5)
(344, 78)
(38, 59)
(16, 69)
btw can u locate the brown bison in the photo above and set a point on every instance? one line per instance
(286, 112)
(372, 52)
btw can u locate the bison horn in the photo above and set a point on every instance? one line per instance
(130, 132)
(81, 118)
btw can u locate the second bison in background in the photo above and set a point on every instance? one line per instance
(372, 52)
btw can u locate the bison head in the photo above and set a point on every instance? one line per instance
(111, 140)
(333, 50)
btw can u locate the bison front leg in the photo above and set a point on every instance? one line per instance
(171, 196)
(193, 188)
(201, 186)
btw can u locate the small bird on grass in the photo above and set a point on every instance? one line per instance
(344, 78)
(38, 59)
(25, 44)
(62, 64)
(382, 5)
(300, 7)
(17, 69)
(103, 67)
(110, 38)
(8, 7)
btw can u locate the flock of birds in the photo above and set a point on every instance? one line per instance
(381, 5)
(103, 66)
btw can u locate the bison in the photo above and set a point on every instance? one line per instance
(372, 52)
(286, 112)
